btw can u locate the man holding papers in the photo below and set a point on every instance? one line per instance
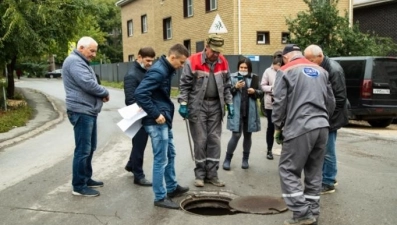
(153, 95)
(131, 81)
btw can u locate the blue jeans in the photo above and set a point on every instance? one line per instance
(139, 142)
(85, 138)
(330, 167)
(163, 163)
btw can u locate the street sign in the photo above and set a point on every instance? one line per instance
(253, 58)
(217, 27)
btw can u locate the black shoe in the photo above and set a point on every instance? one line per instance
(166, 203)
(327, 189)
(245, 164)
(87, 192)
(228, 160)
(178, 191)
(92, 183)
(143, 182)
(269, 155)
(128, 168)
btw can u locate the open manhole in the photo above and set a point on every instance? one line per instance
(209, 203)
(221, 203)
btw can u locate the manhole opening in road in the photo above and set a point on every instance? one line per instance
(207, 203)
(219, 203)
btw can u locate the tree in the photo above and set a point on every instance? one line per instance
(322, 25)
(37, 28)
(109, 21)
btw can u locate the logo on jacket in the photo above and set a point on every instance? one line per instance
(311, 72)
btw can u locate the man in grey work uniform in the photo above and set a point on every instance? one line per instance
(204, 90)
(303, 101)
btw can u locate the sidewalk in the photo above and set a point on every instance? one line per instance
(45, 115)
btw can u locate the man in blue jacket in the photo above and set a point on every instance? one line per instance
(131, 81)
(153, 95)
(84, 100)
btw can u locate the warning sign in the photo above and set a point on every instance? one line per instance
(217, 27)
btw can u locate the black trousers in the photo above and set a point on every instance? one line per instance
(270, 130)
(139, 142)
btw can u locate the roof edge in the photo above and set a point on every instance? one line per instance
(122, 3)
(370, 2)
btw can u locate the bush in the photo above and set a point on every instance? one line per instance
(34, 69)
(15, 116)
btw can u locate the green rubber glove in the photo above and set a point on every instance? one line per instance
(278, 136)
(230, 111)
(183, 111)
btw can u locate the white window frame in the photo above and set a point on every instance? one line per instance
(144, 24)
(213, 5)
(189, 4)
(130, 30)
(131, 58)
(168, 25)
(263, 38)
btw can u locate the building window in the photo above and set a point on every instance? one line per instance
(262, 38)
(144, 24)
(186, 43)
(187, 8)
(131, 58)
(130, 27)
(285, 38)
(211, 5)
(199, 46)
(167, 28)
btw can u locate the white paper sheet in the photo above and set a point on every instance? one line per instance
(132, 119)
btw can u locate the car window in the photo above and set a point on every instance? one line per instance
(354, 69)
(384, 70)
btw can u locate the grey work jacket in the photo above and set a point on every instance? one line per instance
(303, 98)
(194, 80)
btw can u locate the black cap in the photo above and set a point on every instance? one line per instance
(290, 48)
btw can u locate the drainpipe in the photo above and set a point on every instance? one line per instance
(351, 13)
(239, 27)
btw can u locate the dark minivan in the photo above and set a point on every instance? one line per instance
(371, 84)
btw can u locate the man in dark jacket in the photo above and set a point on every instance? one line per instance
(131, 81)
(338, 119)
(153, 95)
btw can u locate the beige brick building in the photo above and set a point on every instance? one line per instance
(259, 30)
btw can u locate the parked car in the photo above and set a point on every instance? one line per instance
(371, 84)
(54, 74)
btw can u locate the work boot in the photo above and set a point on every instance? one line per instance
(245, 165)
(215, 181)
(308, 219)
(228, 160)
(269, 154)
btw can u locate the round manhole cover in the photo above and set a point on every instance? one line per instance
(259, 204)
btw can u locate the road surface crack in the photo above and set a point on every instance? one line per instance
(75, 213)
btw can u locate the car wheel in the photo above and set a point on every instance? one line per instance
(380, 123)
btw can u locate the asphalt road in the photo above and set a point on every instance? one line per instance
(36, 176)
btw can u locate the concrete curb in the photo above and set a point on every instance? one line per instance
(37, 130)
